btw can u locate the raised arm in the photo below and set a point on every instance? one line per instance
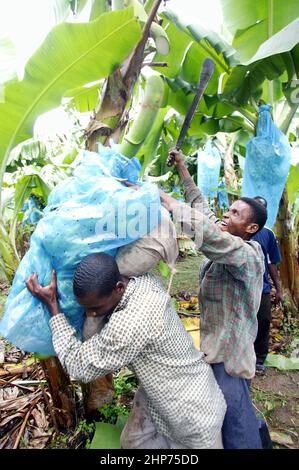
(218, 246)
(191, 192)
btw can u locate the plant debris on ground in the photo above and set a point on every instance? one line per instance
(26, 408)
(25, 401)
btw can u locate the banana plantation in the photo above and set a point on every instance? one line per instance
(135, 79)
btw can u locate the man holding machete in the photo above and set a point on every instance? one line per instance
(231, 283)
(230, 288)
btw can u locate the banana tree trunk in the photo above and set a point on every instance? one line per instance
(288, 242)
(108, 120)
(62, 394)
(111, 115)
(231, 180)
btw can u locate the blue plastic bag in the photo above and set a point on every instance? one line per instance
(208, 170)
(32, 211)
(223, 201)
(267, 164)
(89, 212)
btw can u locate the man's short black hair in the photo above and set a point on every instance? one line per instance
(97, 273)
(261, 200)
(259, 213)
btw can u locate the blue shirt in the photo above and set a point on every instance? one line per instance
(267, 240)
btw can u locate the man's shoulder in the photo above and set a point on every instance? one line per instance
(269, 232)
(150, 283)
(264, 237)
(256, 251)
(149, 299)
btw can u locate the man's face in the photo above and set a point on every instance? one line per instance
(236, 220)
(96, 305)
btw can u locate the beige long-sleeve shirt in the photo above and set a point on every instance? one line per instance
(145, 333)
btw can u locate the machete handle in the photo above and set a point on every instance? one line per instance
(171, 158)
(205, 76)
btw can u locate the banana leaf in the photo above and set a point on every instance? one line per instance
(282, 362)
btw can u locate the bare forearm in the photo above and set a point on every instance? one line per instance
(275, 277)
(194, 196)
(183, 170)
(54, 309)
(192, 193)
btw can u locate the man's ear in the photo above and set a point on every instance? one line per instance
(120, 287)
(252, 228)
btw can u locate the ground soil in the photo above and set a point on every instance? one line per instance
(276, 397)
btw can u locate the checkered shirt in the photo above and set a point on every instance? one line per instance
(231, 283)
(145, 333)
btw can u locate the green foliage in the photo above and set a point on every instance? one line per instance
(290, 329)
(30, 151)
(269, 400)
(124, 384)
(8, 61)
(40, 357)
(87, 430)
(110, 413)
(292, 184)
(252, 22)
(106, 436)
(282, 362)
(164, 269)
(72, 54)
(283, 41)
(85, 98)
(98, 7)
(114, 416)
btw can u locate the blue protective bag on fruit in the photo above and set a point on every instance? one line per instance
(89, 212)
(208, 170)
(223, 201)
(267, 164)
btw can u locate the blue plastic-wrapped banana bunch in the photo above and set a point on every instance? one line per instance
(88, 212)
(267, 164)
(208, 170)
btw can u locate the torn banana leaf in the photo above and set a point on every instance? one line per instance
(282, 362)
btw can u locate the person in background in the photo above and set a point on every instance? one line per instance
(267, 240)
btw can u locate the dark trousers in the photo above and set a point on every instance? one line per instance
(261, 344)
(240, 429)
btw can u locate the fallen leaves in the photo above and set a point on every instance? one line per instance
(187, 303)
(282, 439)
(192, 325)
(23, 417)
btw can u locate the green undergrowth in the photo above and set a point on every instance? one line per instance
(125, 384)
